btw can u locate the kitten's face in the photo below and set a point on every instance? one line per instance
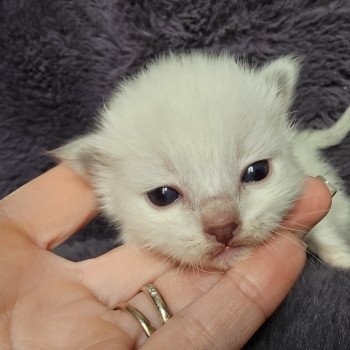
(172, 159)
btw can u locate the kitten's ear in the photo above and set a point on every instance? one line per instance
(283, 75)
(83, 154)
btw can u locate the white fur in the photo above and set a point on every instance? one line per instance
(195, 122)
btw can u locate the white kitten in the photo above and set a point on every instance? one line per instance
(195, 157)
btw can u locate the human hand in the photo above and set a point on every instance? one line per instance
(47, 302)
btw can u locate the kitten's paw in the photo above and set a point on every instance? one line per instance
(337, 258)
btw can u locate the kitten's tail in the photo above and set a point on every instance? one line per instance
(332, 136)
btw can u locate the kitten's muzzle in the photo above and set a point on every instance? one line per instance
(223, 233)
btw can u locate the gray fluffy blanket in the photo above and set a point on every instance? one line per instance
(61, 58)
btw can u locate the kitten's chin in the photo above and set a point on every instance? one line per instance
(227, 257)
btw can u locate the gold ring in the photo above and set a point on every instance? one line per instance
(158, 301)
(139, 317)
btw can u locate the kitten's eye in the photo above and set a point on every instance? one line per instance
(256, 171)
(163, 196)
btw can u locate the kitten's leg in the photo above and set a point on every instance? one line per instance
(330, 238)
(329, 246)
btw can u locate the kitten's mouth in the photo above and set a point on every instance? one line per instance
(227, 251)
(223, 257)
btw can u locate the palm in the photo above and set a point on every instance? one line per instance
(49, 305)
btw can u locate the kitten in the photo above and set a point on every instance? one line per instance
(195, 158)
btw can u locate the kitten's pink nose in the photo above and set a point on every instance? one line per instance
(223, 233)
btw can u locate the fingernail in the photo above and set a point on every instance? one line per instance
(332, 189)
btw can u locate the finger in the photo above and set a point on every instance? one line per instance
(178, 287)
(311, 208)
(235, 307)
(134, 268)
(51, 207)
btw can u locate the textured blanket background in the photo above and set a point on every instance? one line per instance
(60, 59)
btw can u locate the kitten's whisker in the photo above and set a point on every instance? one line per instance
(303, 196)
(176, 272)
(156, 257)
(297, 223)
(292, 229)
(166, 259)
(315, 212)
(179, 267)
(201, 268)
(182, 267)
(270, 247)
(299, 245)
(289, 239)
